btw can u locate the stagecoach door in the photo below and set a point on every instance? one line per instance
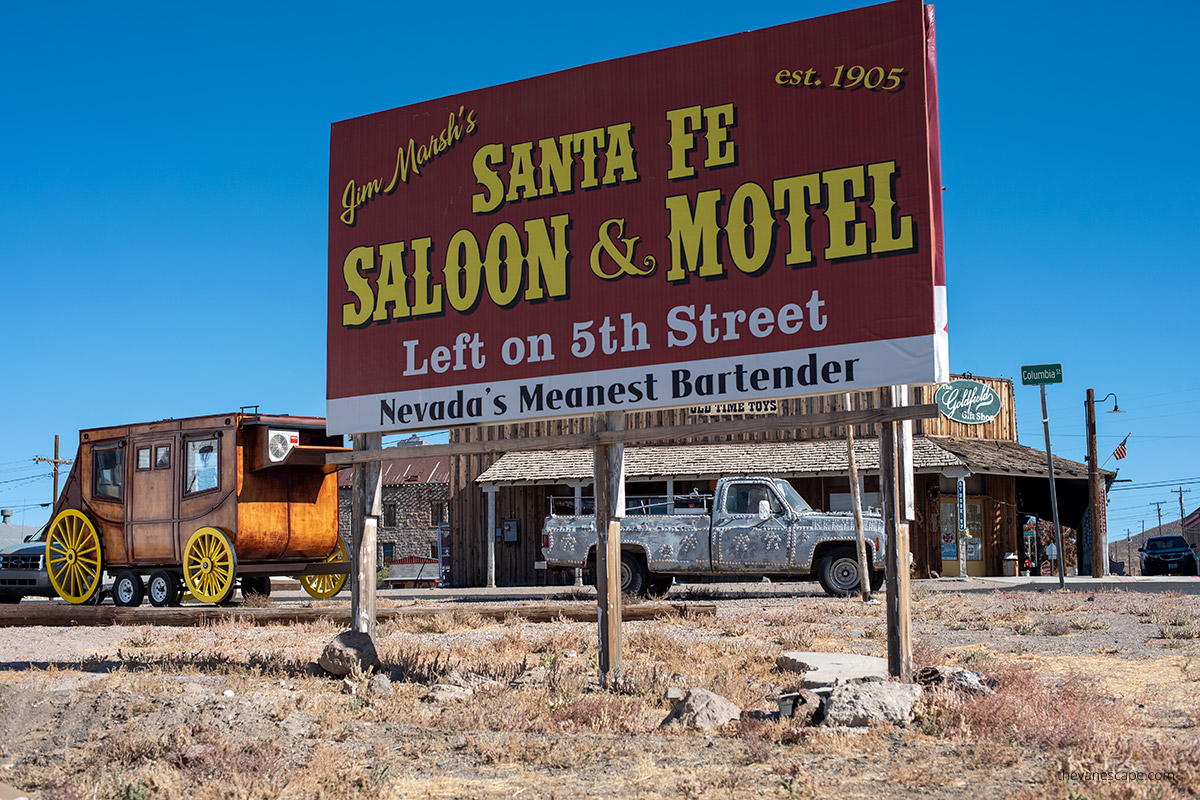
(151, 507)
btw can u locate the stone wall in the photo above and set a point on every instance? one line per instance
(408, 522)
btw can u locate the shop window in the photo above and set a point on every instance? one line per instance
(108, 472)
(973, 534)
(201, 460)
(389, 517)
(142, 461)
(162, 456)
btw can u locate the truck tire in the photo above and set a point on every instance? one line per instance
(633, 574)
(877, 576)
(657, 586)
(839, 573)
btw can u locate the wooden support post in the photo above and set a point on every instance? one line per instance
(490, 536)
(864, 563)
(609, 477)
(899, 613)
(578, 512)
(364, 525)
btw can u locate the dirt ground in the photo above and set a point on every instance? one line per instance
(1096, 697)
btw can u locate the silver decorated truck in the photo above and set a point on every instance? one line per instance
(750, 527)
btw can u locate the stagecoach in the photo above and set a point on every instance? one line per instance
(197, 507)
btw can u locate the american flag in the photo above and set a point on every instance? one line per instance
(1121, 452)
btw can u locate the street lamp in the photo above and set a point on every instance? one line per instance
(1099, 565)
(1115, 409)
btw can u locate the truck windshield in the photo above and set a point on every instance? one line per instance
(791, 495)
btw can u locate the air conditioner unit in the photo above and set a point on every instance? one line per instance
(280, 444)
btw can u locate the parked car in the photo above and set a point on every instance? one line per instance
(23, 569)
(1167, 555)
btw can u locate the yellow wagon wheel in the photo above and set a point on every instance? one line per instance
(323, 587)
(73, 560)
(209, 566)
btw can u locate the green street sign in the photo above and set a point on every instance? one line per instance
(1041, 373)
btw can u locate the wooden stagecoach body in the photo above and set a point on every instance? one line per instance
(258, 481)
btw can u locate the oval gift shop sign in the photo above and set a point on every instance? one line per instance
(968, 401)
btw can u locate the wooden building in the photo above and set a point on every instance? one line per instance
(1006, 481)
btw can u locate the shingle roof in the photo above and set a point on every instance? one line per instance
(999, 457)
(407, 470)
(811, 458)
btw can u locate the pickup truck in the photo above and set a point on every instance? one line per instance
(751, 526)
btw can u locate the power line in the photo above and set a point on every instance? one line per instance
(27, 478)
(1155, 485)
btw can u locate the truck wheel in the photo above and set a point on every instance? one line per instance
(163, 589)
(838, 572)
(658, 586)
(128, 590)
(877, 576)
(633, 574)
(256, 584)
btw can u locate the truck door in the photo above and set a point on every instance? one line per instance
(151, 516)
(742, 541)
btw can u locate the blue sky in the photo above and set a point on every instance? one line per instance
(162, 220)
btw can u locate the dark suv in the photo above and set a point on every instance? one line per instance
(1167, 555)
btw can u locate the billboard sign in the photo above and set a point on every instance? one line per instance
(747, 218)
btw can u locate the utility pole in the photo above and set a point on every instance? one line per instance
(1094, 509)
(1181, 492)
(1159, 505)
(59, 462)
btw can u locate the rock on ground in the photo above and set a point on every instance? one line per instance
(856, 705)
(380, 686)
(955, 678)
(821, 670)
(703, 709)
(446, 693)
(347, 651)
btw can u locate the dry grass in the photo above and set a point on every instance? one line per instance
(160, 725)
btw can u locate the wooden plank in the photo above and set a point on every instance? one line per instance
(54, 615)
(580, 441)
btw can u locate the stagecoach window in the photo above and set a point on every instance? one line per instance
(201, 462)
(162, 456)
(108, 472)
(143, 458)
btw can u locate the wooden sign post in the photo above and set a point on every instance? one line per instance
(609, 477)
(364, 525)
(895, 529)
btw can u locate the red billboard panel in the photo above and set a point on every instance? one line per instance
(757, 216)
